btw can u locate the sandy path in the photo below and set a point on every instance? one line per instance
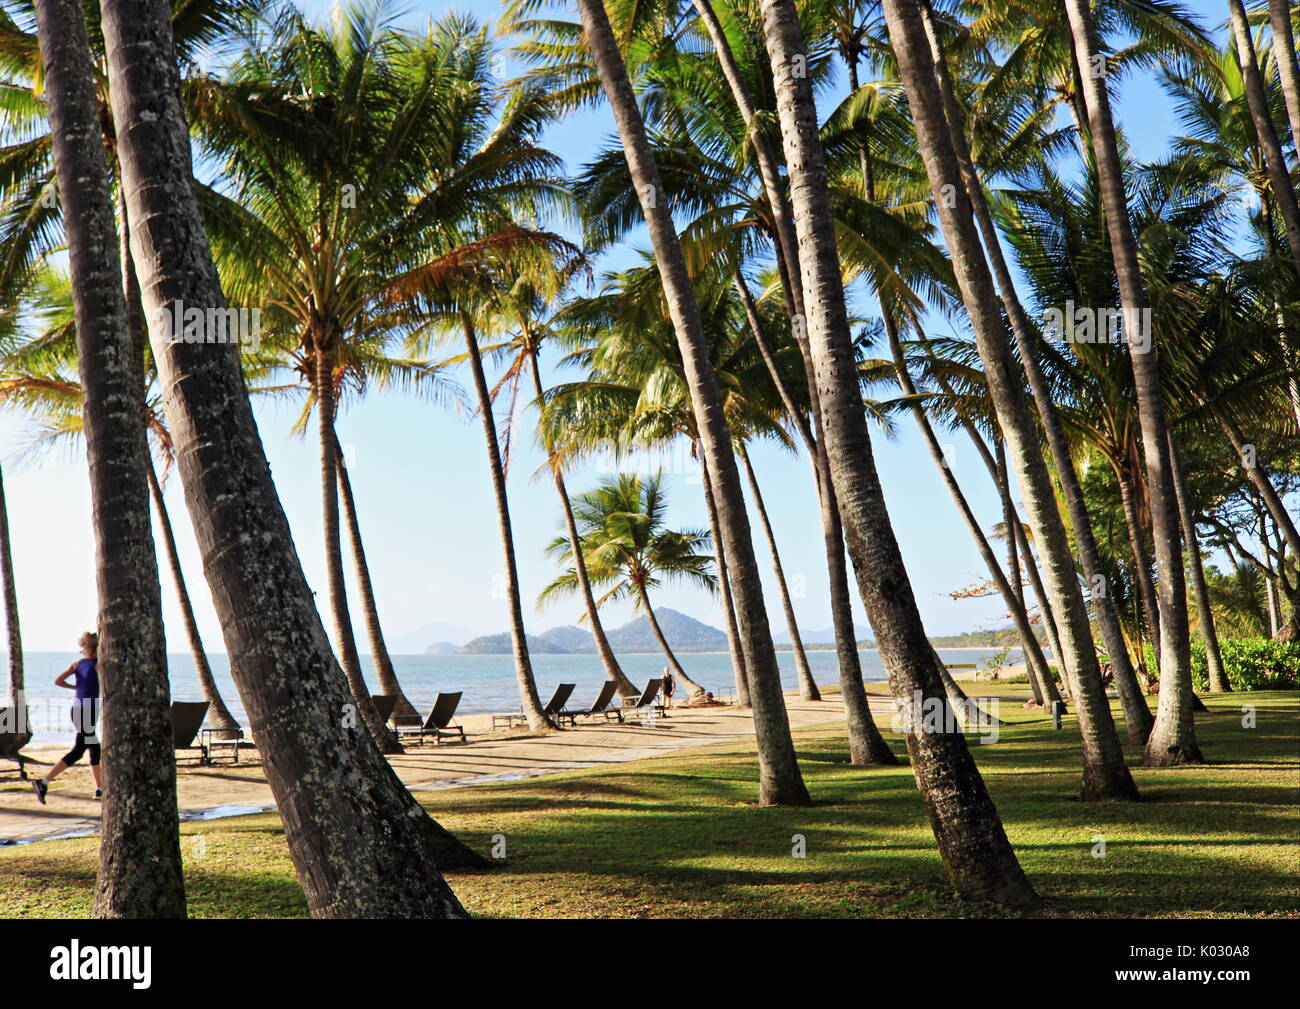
(207, 791)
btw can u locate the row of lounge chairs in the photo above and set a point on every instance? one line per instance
(555, 707)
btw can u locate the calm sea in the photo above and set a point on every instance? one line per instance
(487, 681)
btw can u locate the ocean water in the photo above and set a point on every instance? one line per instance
(487, 681)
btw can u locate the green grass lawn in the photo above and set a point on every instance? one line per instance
(679, 836)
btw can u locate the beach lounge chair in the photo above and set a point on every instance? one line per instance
(438, 724)
(384, 705)
(187, 717)
(599, 707)
(10, 740)
(553, 707)
(648, 701)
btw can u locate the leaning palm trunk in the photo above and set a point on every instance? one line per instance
(967, 829)
(384, 672)
(1141, 560)
(362, 846)
(1213, 658)
(1288, 67)
(1105, 775)
(1259, 479)
(529, 702)
(13, 635)
(613, 671)
(807, 686)
(219, 716)
(779, 779)
(693, 689)
(1173, 736)
(1000, 580)
(1252, 80)
(139, 854)
(734, 646)
(349, 658)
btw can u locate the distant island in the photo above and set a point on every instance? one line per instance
(686, 634)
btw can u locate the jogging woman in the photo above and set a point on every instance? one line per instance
(85, 712)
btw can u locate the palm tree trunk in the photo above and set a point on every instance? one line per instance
(613, 671)
(384, 672)
(1141, 560)
(1173, 736)
(807, 686)
(1257, 101)
(967, 829)
(349, 659)
(1259, 479)
(361, 844)
(219, 716)
(1288, 68)
(866, 744)
(1213, 658)
(13, 634)
(724, 589)
(780, 782)
(1105, 775)
(139, 856)
(528, 699)
(691, 686)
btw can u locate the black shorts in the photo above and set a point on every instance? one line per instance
(84, 716)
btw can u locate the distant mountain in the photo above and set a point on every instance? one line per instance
(442, 648)
(684, 634)
(570, 638)
(500, 644)
(437, 630)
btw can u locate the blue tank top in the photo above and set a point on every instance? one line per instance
(87, 675)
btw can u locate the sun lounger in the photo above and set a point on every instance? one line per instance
(187, 717)
(438, 724)
(648, 702)
(384, 705)
(553, 707)
(599, 707)
(10, 740)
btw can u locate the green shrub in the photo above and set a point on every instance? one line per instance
(1251, 664)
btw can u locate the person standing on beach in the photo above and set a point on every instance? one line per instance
(85, 712)
(669, 685)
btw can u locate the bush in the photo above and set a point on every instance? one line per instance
(1251, 664)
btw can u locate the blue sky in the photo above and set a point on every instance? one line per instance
(424, 496)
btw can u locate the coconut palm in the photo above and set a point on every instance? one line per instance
(628, 551)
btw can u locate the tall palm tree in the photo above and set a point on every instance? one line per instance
(971, 840)
(139, 854)
(628, 551)
(1280, 13)
(780, 780)
(1173, 736)
(360, 842)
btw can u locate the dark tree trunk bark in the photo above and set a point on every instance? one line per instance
(16, 697)
(780, 782)
(734, 646)
(1288, 68)
(1279, 177)
(140, 872)
(807, 687)
(613, 670)
(1105, 775)
(362, 846)
(1213, 658)
(528, 699)
(219, 716)
(967, 829)
(384, 672)
(1173, 736)
(349, 659)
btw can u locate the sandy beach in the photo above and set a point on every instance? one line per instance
(232, 789)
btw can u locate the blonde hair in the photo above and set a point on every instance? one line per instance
(89, 642)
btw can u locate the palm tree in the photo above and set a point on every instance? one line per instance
(971, 840)
(139, 854)
(361, 843)
(1173, 736)
(780, 780)
(628, 551)
(1280, 13)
